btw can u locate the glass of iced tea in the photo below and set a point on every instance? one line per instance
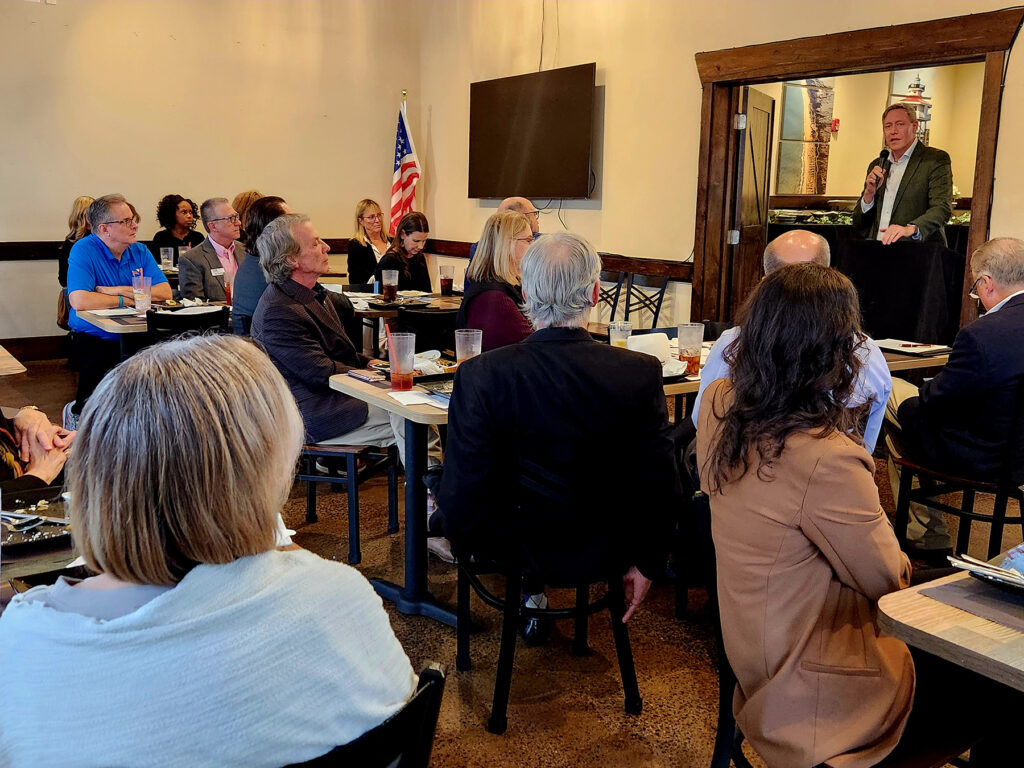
(389, 284)
(618, 333)
(691, 337)
(447, 273)
(401, 356)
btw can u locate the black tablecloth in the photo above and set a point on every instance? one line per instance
(907, 290)
(956, 234)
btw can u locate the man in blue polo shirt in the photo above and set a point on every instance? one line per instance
(100, 270)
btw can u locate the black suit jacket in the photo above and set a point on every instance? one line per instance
(361, 262)
(963, 417)
(303, 332)
(924, 197)
(559, 454)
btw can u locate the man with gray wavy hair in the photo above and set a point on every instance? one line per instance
(531, 428)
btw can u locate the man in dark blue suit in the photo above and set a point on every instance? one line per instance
(559, 448)
(960, 421)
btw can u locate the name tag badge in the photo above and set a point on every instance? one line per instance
(219, 272)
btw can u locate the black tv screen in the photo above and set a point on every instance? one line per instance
(530, 135)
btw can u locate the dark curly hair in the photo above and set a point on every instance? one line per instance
(260, 213)
(793, 368)
(167, 208)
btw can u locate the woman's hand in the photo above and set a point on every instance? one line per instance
(32, 426)
(635, 586)
(46, 464)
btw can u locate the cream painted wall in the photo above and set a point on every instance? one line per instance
(298, 97)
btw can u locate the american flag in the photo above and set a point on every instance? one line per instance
(407, 171)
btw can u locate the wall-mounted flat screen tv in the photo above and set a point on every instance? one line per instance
(530, 135)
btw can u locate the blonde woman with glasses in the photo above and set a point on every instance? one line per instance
(199, 642)
(493, 301)
(369, 243)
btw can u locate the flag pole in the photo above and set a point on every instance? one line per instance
(404, 94)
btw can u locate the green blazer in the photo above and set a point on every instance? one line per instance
(924, 198)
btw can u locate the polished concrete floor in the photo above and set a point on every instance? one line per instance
(564, 710)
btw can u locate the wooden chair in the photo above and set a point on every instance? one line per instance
(376, 460)
(935, 483)
(610, 296)
(404, 740)
(645, 293)
(161, 326)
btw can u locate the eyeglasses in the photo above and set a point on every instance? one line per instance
(972, 292)
(372, 217)
(233, 218)
(123, 222)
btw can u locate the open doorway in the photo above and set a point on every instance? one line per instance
(726, 263)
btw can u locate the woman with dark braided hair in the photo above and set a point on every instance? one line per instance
(804, 550)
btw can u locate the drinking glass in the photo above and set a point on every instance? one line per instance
(389, 284)
(690, 336)
(618, 333)
(401, 355)
(182, 250)
(142, 288)
(166, 258)
(468, 342)
(447, 273)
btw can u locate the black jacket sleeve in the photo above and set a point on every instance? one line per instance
(361, 262)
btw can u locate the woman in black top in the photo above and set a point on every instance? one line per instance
(368, 245)
(178, 218)
(78, 227)
(406, 254)
(250, 282)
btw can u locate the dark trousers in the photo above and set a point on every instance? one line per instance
(94, 357)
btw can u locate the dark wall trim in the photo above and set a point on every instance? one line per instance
(677, 270)
(29, 348)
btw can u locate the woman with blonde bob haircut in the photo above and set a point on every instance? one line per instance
(368, 243)
(182, 463)
(493, 301)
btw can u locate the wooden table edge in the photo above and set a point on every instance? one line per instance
(365, 391)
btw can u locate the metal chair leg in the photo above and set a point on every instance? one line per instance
(393, 489)
(310, 469)
(963, 533)
(498, 721)
(995, 539)
(463, 663)
(580, 646)
(903, 507)
(352, 488)
(617, 608)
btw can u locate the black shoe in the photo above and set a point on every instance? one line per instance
(535, 630)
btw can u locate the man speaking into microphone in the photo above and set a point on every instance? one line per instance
(909, 188)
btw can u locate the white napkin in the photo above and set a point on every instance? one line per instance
(655, 344)
(192, 302)
(424, 362)
(418, 398)
(115, 312)
(412, 294)
(190, 311)
(673, 367)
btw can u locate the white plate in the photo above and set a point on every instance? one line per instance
(115, 312)
(412, 294)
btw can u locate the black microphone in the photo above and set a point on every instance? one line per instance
(883, 162)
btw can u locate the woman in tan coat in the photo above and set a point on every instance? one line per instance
(804, 550)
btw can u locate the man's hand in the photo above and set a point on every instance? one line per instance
(635, 586)
(894, 232)
(31, 427)
(871, 184)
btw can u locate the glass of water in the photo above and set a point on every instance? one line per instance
(142, 292)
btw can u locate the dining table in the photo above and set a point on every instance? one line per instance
(378, 310)
(981, 645)
(9, 364)
(125, 323)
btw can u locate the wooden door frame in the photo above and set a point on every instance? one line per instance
(985, 37)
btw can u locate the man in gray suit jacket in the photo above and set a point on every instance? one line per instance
(910, 193)
(204, 270)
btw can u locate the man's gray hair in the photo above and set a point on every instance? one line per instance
(277, 244)
(1002, 258)
(559, 274)
(206, 210)
(819, 252)
(99, 210)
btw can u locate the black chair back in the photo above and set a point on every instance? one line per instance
(713, 330)
(404, 740)
(610, 295)
(646, 294)
(434, 329)
(357, 288)
(161, 326)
